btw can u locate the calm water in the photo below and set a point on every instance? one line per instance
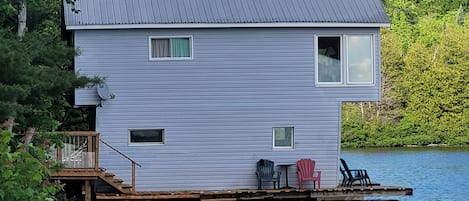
(435, 173)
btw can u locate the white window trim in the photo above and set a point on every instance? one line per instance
(146, 143)
(316, 62)
(344, 77)
(191, 42)
(292, 139)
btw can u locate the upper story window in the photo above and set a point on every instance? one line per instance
(170, 48)
(283, 137)
(344, 60)
(146, 136)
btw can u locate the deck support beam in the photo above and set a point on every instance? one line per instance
(88, 190)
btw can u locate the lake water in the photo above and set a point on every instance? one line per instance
(435, 174)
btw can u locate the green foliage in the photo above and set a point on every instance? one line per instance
(24, 172)
(35, 77)
(425, 66)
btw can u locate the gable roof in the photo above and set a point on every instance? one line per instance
(121, 14)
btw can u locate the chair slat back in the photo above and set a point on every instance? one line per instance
(265, 168)
(346, 169)
(306, 167)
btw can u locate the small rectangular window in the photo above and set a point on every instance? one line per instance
(283, 137)
(148, 136)
(164, 48)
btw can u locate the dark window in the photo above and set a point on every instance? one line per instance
(147, 136)
(329, 64)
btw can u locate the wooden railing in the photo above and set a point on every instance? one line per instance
(134, 163)
(80, 150)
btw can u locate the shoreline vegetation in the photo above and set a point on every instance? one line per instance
(412, 148)
(424, 85)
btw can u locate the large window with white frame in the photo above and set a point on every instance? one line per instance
(146, 136)
(344, 60)
(170, 48)
(283, 137)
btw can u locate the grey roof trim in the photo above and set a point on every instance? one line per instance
(233, 25)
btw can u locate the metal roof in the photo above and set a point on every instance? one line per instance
(102, 14)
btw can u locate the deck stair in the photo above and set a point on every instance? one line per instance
(117, 183)
(80, 156)
(109, 179)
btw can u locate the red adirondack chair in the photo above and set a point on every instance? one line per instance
(306, 172)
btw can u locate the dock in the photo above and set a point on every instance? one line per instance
(326, 194)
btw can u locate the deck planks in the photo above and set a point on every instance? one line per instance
(250, 194)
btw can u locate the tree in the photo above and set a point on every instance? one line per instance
(438, 87)
(35, 79)
(22, 16)
(425, 90)
(25, 169)
(35, 74)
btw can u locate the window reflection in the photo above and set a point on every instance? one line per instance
(329, 59)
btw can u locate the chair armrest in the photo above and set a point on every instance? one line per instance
(277, 174)
(319, 173)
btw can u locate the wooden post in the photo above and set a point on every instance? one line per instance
(133, 177)
(59, 154)
(96, 154)
(89, 149)
(87, 190)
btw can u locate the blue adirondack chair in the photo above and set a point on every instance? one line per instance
(266, 173)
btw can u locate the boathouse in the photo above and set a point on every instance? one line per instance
(197, 91)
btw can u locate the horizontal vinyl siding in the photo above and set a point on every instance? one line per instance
(86, 96)
(218, 109)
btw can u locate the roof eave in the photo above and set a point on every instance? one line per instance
(226, 25)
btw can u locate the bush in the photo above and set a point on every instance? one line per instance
(24, 170)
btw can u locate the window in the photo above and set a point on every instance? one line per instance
(283, 137)
(164, 48)
(350, 55)
(329, 65)
(147, 136)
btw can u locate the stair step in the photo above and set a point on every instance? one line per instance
(117, 180)
(107, 174)
(126, 186)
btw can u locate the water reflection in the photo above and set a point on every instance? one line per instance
(434, 173)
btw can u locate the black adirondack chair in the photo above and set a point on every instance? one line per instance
(266, 173)
(352, 175)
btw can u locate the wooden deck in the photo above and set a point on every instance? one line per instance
(355, 193)
(80, 155)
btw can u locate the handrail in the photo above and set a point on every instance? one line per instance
(81, 133)
(119, 152)
(128, 158)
